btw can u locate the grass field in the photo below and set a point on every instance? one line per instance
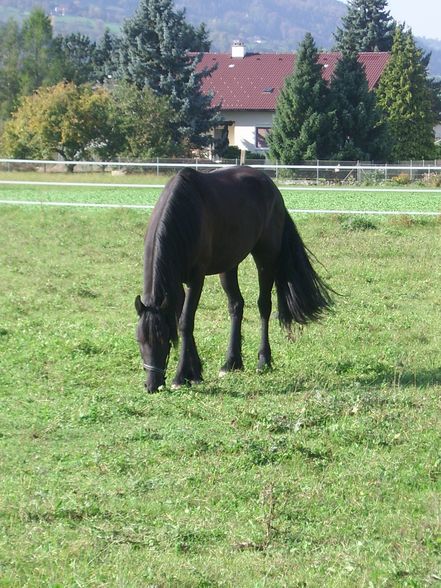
(323, 472)
(410, 198)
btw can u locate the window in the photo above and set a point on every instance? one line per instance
(261, 136)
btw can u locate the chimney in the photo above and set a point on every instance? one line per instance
(238, 49)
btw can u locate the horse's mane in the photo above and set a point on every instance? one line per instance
(178, 225)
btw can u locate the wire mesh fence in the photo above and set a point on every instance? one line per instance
(307, 172)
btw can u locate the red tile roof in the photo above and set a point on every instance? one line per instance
(254, 81)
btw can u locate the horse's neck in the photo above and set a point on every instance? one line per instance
(160, 278)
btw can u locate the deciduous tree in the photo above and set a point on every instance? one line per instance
(145, 122)
(70, 121)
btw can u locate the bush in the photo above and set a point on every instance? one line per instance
(231, 152)
(402, 179)
(431, 180)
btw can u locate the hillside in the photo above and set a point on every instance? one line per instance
(281, 26)
(263, 27)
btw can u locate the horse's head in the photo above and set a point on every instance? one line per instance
(154, 337)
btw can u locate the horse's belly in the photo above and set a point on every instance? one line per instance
(229, 250)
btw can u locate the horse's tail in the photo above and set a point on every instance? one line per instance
(301, 294)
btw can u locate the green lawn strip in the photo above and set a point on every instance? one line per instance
(308, 199)
(324, 471)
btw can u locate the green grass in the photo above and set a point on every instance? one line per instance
(322, 472)
(407, 200)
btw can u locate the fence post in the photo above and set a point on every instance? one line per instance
(157, 166)
(385, 172)
(318, 173)
(411, 170)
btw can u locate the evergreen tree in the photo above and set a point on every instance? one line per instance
(360, 134)
(106, 56)
(406, 99)
(195, 40)
(39, 61)
(301, 122)
(154, 53)
(9, 67)
(77, 54)
(368, 24)
(29, 58)
(435, 88)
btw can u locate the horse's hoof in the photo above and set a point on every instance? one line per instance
(263, 369)
(223, 373)
(175, 386)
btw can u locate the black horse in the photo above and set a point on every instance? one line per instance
(207, 223)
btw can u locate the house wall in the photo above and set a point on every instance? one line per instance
(242, 133)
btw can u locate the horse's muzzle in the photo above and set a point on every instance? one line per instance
(155, 378)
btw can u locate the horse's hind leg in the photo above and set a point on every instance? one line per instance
(230, 285)
(266, 281)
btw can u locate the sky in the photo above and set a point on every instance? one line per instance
(423, 16)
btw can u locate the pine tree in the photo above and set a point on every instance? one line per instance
(39, 56)
(9, 66)
(406, 99)
(360, 134)
(301, 123)
(106, 56)
(154, 54)
(77, 58)
(368, 24)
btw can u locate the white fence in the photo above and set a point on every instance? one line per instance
(319, 172)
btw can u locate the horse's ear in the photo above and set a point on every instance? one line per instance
(140, 308)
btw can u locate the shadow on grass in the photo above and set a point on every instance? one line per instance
(274, 383)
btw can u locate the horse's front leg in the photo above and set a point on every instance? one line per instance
(235, 307)
(189, 368)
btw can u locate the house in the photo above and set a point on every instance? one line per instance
(247, 85)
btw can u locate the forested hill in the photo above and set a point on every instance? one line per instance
(267, 26)
(278, 25)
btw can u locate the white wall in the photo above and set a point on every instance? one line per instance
(242, 133)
